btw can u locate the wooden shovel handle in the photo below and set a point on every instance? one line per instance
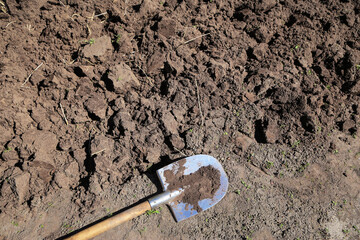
(111, 222)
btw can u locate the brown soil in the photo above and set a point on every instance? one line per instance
(94, 95)
(199, 185)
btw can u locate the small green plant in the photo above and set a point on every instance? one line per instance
(281, 225)
(346, 231)
(153, 211)
(206, 220)
(309, 72)
(90, 41)
(119, 79)
(225, 133)
(358, 66)
(356, 229)
(297, 47)
(319, 129)
(41, 226)
(336, 151)
(107, 210)
(7, 149)
(117, 38)
(291, 195)
(296, 143)
(237, 191)
(269, 164)
(245, 185)
(303, 167)
(328, 86)
(65, 225)
(16, 224)
(191, 130)
(141, 231)
(334, 203)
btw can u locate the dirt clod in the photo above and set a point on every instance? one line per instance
(199, 185)
(122, 78)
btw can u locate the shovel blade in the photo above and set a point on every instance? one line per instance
(179, 207)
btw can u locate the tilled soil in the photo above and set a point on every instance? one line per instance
(97, 95)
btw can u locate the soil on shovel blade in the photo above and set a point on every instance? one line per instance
(95, 95)
(199, 185)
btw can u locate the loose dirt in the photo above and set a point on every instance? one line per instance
(199, 185)
(118, 89)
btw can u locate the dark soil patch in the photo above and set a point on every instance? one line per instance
(199, 185)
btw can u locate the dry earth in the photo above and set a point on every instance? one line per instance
(97, 95)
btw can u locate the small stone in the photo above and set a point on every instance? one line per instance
(153, 155)
(22, 185)
(96, 107)
(79, 155)
(355, 89)
(98, 48)
(166, 27)
(23, 122)
(169, 123)
(272, 132)
(155, 62)
(72, 170)
(101, 144)
(177, 141)
(259, 51)
(86, 70)
(123, 122)
(95, 186)
(347, 125)
(6, 133)
(262, 34)
(264, 5)
(62, 180)
(174, 65)
(122, 78)
(242, 141)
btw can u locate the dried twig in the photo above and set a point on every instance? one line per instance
(62, 3)
(92, 17)
(181, 152)
(9, 23)
(87, 25)
(27, 79)
(100, 151)
(28, 27)
(193, 39)
(98, 15)
(63, 113)
(198, 99)
(147, 77)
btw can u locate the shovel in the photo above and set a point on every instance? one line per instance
(190, 186)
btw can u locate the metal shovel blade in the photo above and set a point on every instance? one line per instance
(181, 208)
